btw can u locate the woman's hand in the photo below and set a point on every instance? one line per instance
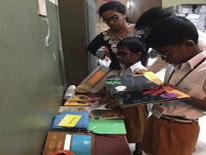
(102, 52)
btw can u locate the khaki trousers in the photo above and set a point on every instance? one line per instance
(135, 120)
(166, 137)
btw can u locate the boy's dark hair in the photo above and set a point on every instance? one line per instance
(135, 44)
(113, 5)
(151, 17)
(172, 31)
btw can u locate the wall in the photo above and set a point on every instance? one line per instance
(168, 3)
(135, 8)
(77, 27)
(31, 77)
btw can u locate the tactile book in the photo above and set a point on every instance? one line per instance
(95, 81)
(138, 89)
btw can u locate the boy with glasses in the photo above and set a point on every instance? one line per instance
(173, 128)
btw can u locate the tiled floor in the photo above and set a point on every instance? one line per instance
(201, 143)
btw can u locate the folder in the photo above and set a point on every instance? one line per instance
(111, 145)
(82, 123)
(107, 126)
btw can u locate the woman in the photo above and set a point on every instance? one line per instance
(104, 44)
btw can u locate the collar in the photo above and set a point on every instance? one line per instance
(196, 59)
(135, 67)
(192, 62)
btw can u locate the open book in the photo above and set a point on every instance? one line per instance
(138, 89)
(95, 81)
(98, 111)
(82, 100)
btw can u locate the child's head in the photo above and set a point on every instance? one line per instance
(130, 50)
(175, 39)
(149, 18)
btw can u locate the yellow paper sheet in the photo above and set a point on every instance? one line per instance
(153, 77)
(69, 120)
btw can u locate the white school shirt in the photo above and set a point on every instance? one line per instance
(135, 67)
(194, 85)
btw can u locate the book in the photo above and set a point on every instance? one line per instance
(77, 103)
(83, 100)
(98, 111)
(81, 144)
(95, 81)
(111, 145)
(71, 119)
(69, 108)
(106, 114)
(138, 89)
(78, 143)
(107, 126)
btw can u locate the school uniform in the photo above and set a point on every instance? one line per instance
(176, 130)
(135, 116)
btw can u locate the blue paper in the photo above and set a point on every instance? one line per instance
(81, 144)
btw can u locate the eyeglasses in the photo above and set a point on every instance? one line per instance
(111, 19)
(167, 52)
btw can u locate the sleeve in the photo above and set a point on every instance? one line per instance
(95, 44)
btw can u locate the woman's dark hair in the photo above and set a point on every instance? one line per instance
(112, 5)
(135, 44)
(151, 17)
(172, 31)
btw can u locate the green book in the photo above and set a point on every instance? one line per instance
(107, 126)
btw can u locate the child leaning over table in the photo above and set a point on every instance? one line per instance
(173, 128)
(129, 52)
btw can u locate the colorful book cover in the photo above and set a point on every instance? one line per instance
(106, 114)
(70, 120)
(83, 122)
(82, 98)
(132, 90)
(59, 141)
(81, 104)
(95, 81)
(68, 108)
(81, 144)
(107, 126)
(99, 111)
